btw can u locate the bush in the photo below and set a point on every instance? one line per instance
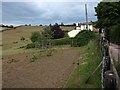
(61, 41)
(32, 45)
(66, 33)
(22, 47)
(35, 36)
(48, 32)
(57, 32)
(22, 38)
(115, 34)
(83, 38)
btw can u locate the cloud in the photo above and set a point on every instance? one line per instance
(46, 12)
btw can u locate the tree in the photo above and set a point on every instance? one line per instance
(35, 36)
(50, 25)
(62, 24)
(56, 24)
(108, 14)
(40, 25)
(74, 24)
(48, 33)
(26, 25)
(57, 32)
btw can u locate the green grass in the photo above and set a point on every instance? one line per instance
(89, 60)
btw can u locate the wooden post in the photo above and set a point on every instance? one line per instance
(109, 81)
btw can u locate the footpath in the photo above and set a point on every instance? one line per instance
(115, 52)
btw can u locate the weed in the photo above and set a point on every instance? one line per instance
(33, 59)
(49, 52)
(22, 38)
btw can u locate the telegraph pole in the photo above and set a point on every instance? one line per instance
(86, 16)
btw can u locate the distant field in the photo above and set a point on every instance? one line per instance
(11, 38)
(67, 28)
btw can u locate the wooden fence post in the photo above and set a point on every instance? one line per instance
(109, 81)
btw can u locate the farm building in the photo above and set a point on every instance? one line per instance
(83, 26)
(80, 27)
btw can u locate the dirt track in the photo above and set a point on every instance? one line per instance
(46, 72)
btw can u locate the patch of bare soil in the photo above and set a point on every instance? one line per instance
(46, 72)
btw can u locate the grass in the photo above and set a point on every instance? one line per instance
(89, 60)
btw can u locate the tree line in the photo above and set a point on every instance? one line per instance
(108, 15)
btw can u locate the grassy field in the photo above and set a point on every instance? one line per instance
(11, 38)
(58, 67)
(90, 57)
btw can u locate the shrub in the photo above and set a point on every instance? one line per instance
(115, 34)
(33, 59)
(22, 38)
(48, 32)
(35, 36)
(57, 32)
(22, 47)
(31, 45)
(61, 41)
(66, 33)
(15, 42)
(83, 38)
(49, 52)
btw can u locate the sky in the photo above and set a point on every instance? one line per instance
(36, 13)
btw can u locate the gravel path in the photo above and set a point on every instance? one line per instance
(115, 51)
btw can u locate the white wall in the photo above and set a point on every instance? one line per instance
(83, 27)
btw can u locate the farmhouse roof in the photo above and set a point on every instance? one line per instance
(73, 33)
(86, 23)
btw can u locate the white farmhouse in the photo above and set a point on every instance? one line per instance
(80, 27)
(83, 26)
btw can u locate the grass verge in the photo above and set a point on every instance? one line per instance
(89, 59)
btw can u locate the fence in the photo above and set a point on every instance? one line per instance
(110, 79)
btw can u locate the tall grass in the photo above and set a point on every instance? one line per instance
(89, 60)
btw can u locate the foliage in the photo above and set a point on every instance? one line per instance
(62, 41)
(49, 52)
(90, 57)
(31, 45)
(115, 34)
(53, 32)
(40, 25)
(66, 33)
(11, 26)
(57, 32)
(22, 47)
(62, 24)
(83, 38)
(48, 32)
(22, 38)
(35, 36)
(108, 14)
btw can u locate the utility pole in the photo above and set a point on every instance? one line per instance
(86, 16)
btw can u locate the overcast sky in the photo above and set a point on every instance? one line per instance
(37, 13)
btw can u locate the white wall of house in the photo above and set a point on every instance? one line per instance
(83, 27)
